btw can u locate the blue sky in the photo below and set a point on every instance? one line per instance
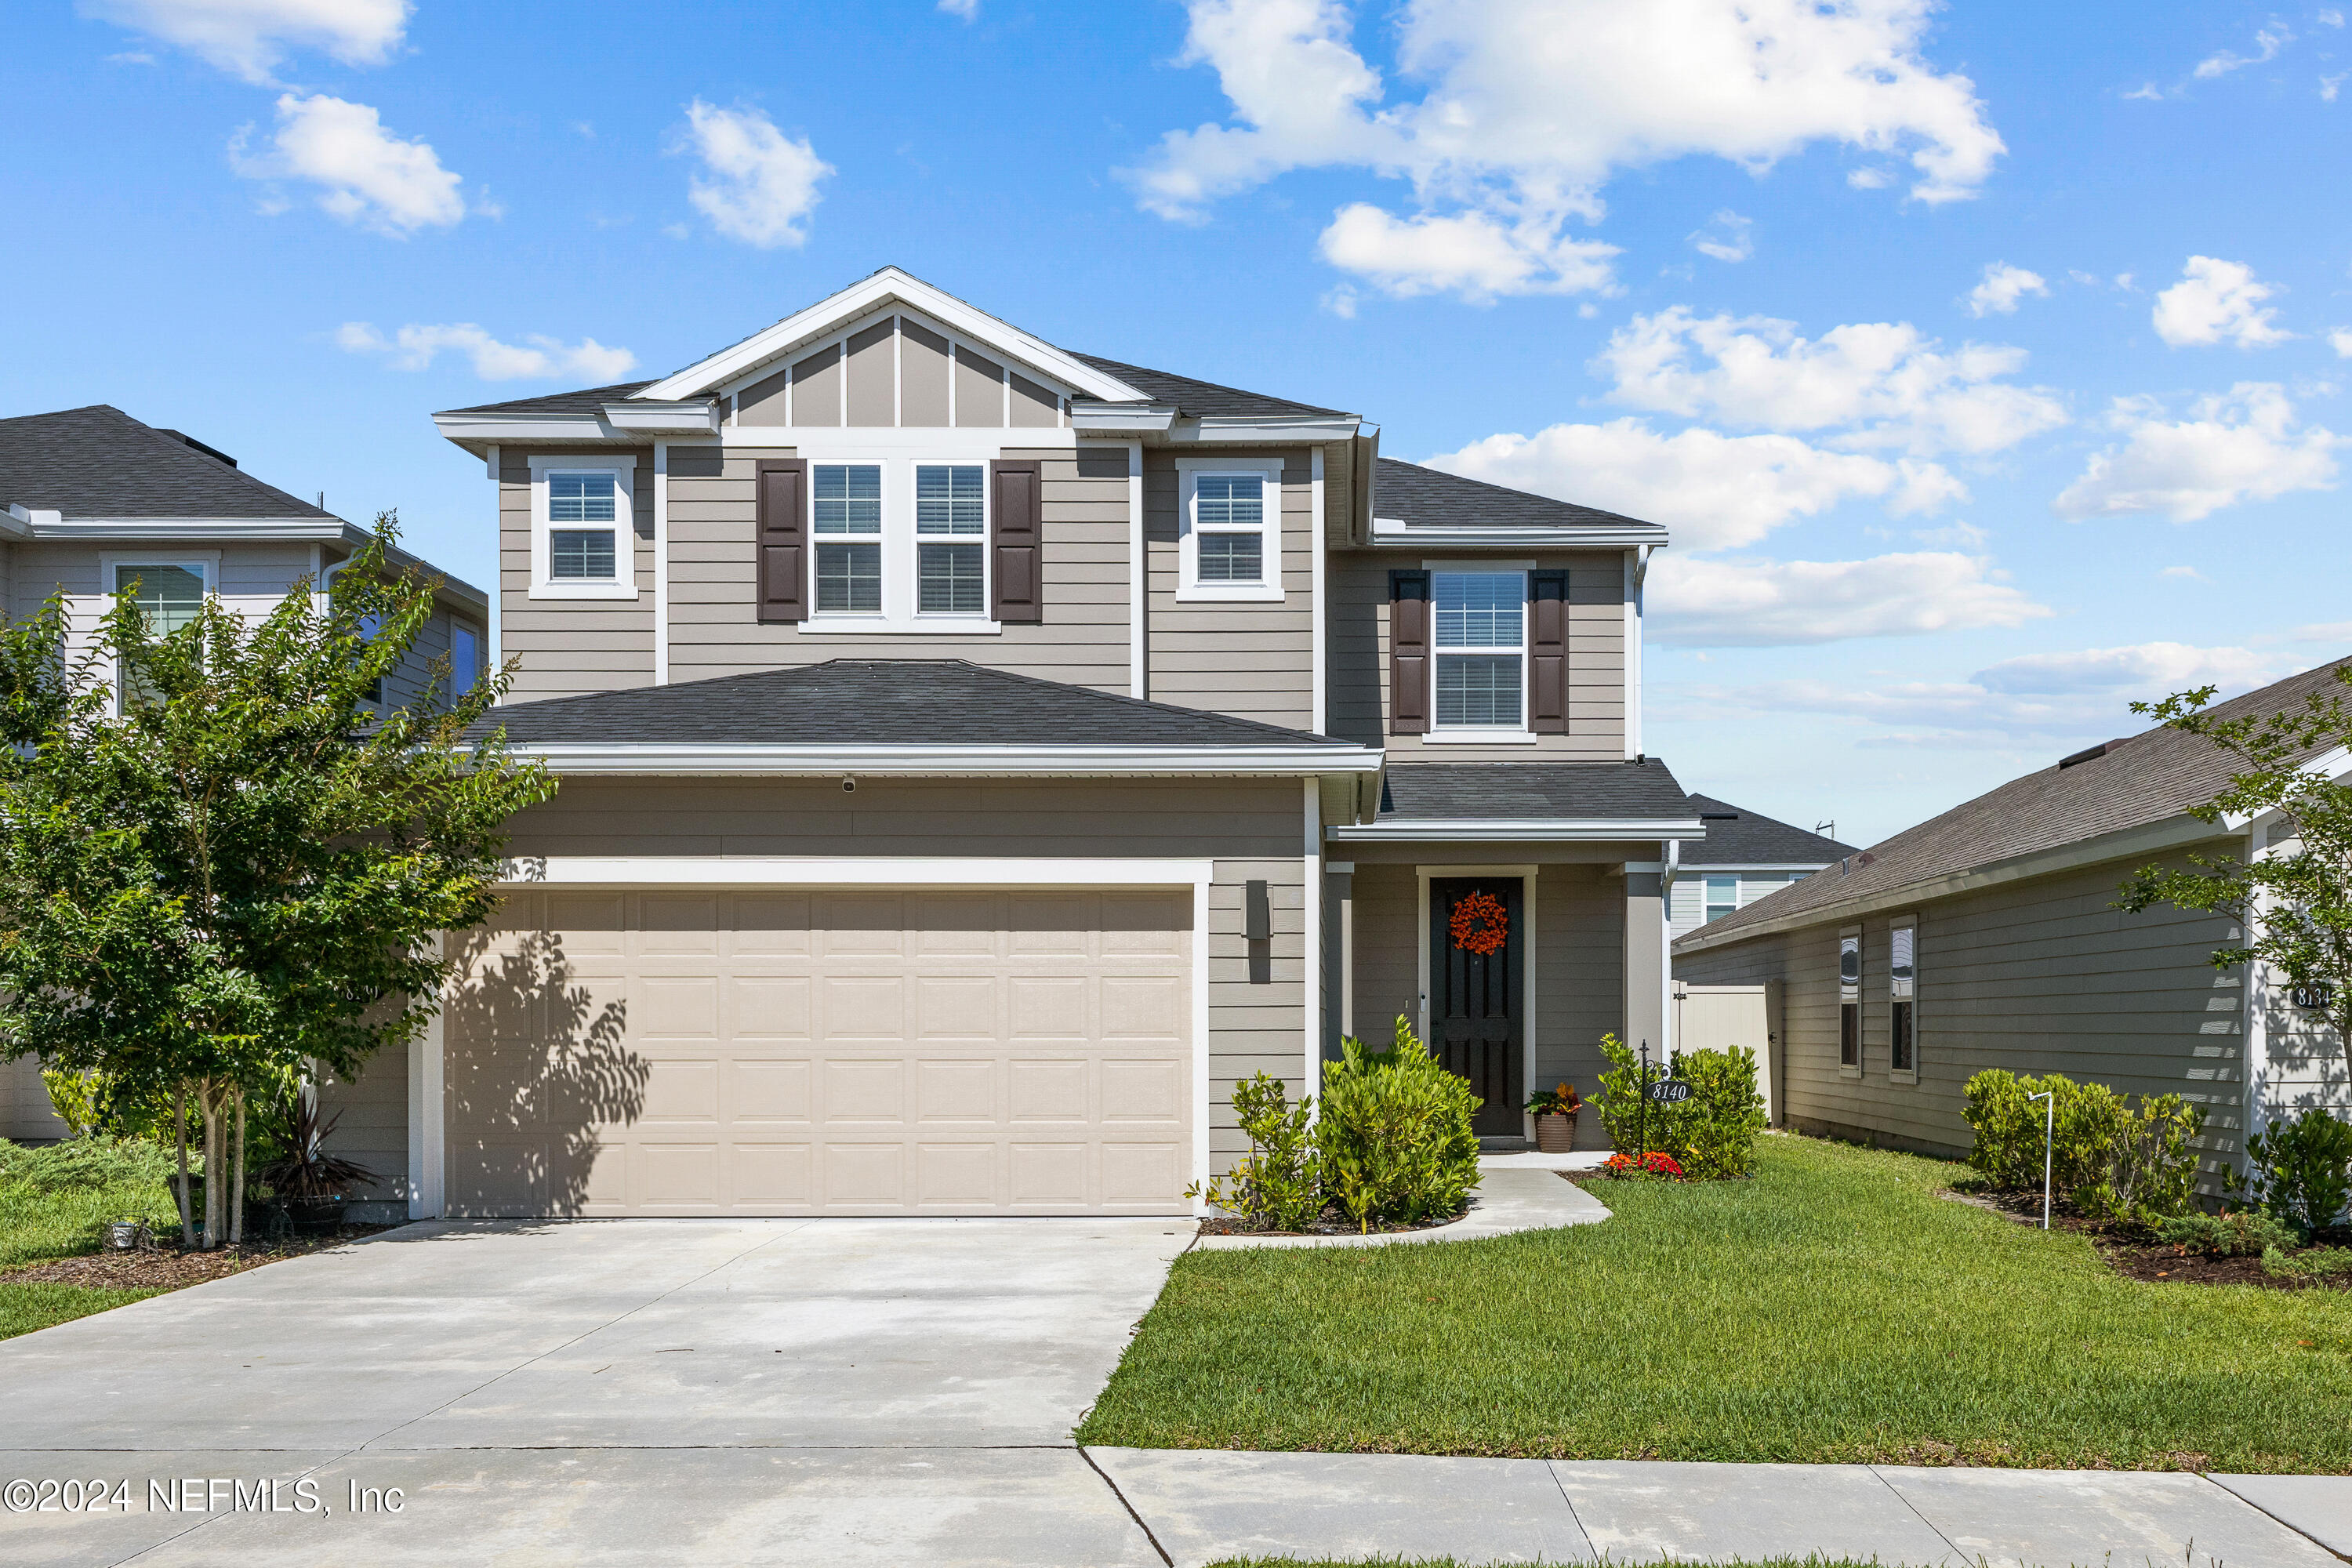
(1987, 361)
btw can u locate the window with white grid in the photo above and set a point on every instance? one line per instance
(950, 539)
(845, 517)
(1480, 649)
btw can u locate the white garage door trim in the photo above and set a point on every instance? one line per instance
(426, 1101)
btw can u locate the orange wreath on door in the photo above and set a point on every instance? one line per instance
(1480, 924)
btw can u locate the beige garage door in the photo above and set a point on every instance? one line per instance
(823, 1053)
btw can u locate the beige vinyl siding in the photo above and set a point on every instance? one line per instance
(1082, 641)
(2040, 976)
(372, 1129)
(25, 1114)
(1252, 659)
(569, 648)
(1387, 959)
(1250, 830)
(923, 372)
(1359, 632)
(899, 372)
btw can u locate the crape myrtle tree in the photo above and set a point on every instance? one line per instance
(2294, 905)
(221, 859)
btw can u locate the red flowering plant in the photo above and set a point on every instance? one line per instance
(1629, 1167)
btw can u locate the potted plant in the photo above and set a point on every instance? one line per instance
(1555, 1112)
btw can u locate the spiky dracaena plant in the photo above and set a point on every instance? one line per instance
(220, 856)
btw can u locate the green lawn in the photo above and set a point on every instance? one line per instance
(1834, 1308)
(36, 1226)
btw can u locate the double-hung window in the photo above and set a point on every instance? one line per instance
(465, 660)
(1722, 896)
(1480, 649)
(1850, 1003)
(1229, 529)
(951, 534)
(168, 597)
(1903, 1023)
(845, 515)
(584, 520)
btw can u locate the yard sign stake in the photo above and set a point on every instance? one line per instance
(2048, 1137)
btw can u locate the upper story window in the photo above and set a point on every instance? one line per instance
(950, 529)
(845, 515)
(1230, 542)
(465, 660)
(1722, 896)
(1480, 649)
(168, 593)
(583, 525)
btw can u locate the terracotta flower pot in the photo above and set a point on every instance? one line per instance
(1555, 1134)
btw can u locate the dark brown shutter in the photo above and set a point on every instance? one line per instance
(1548, 652)
(782, 538)
(1409, 653)
(1019, 541)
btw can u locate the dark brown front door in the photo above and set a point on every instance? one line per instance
(1474, 1001)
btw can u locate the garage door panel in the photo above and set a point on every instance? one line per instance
(699, 1051)
(768, 1091)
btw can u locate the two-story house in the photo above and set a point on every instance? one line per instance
(97, 503)
(976, 757)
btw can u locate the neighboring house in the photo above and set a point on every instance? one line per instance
(97, 501)
(1745, 855)
(976, 757)
(1988, 937)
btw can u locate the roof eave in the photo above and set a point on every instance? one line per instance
(1260, 428)
(649, 758)
(1526, 830)
(1121, 418)
(1390, 533)
(687, 417)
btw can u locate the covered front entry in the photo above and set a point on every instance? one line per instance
(1476, 986)
(822, 1052)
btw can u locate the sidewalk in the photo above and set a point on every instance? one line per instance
(1203, 1506)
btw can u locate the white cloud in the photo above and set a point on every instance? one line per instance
(1775, 603)
(250, 38)
(2186, 574)
(1882, 383)
(1870, 179)
(2268, 41)
(1472, 254)
(414, 348)
(2329, 86)
(2239, 446)
(2340, 340)
(1532, 105)
(967, 9)
(2148, 91)
(366, 175)
(760, 184)
(2330, 17)
(1727, 237)
(1716, 492)
(2002, 288)
(2217, 300)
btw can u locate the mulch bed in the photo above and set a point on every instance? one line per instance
(2133, 1256)
(166, 1267)
(1334, 1222)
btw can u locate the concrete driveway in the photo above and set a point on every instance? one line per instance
(704, 1391)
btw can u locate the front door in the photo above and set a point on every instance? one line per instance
(1475, 986)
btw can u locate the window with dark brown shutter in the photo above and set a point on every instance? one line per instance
(783, 535)
(1548, 652)
(1019, 543)
(1409, 653)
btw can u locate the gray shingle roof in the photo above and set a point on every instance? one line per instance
(1737, 838)
(99, 462)
(1413, 494)
(878, 702)
(2145, 778)
(587, 400)
(1466, 792)
(1204, 397)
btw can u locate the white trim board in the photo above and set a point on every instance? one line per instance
(844, 871)
(636, 758)
(1520, 830)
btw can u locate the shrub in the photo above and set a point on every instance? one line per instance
(74, 1096)
(2312, 1266)
(1277, 1184)
(2240, 1233)
(84, 1164)
(2109, 1157)
(1629, 1167)
(1712, 1134)
(2301, 1170)
(1397, 1143)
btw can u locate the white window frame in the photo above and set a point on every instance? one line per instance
(1706, 904)
(984, 539)
(877, 618)
(1850, 996)
(1484, 734)
(1903, 990)
(204, 563)
(1190, 471)
(898, 452)
(473, 675)
(544, 584)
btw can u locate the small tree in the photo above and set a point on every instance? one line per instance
(219, 862)
(2293, 909)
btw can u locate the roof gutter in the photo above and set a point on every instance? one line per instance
(2123, 843)
(949, 762)
(1523, 830)
(1390, 533)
